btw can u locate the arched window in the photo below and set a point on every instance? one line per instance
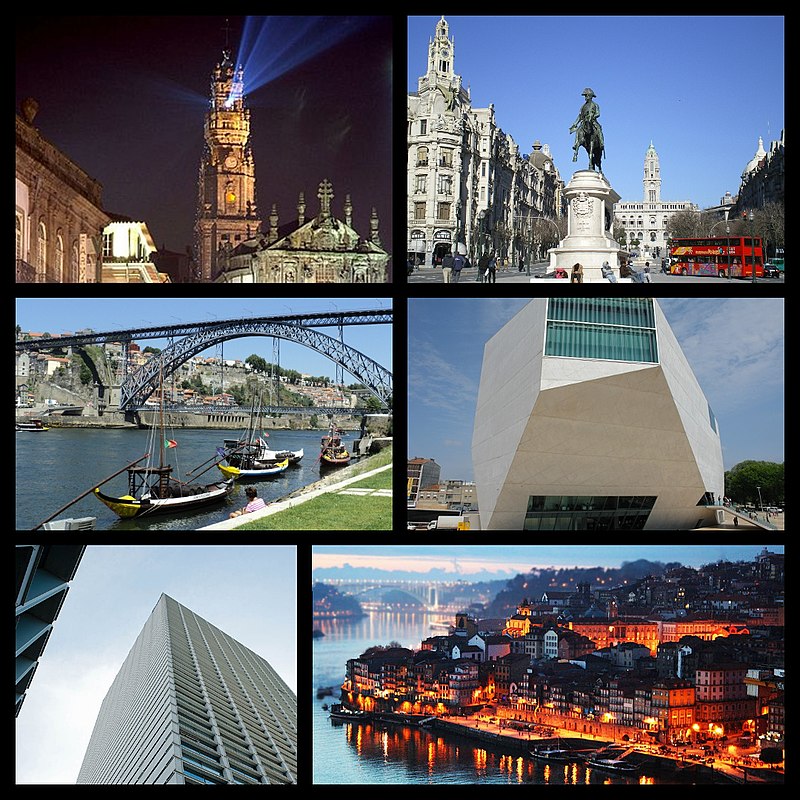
(73, 264)
(59, 258)
(41, 251)
(422, 156)
(19, 237)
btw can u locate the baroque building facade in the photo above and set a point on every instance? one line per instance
(645, 223)
(469, 188)
(763, 177)
(59, 216)
(322, 249)
(227, 213)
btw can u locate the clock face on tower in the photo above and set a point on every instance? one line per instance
(231, 162)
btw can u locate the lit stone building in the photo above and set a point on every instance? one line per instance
(59, 215)
(645, 222)
(322, 249)
(468, 184)
(589, 417)
(191, 705)
(128, 251)
(230, 243)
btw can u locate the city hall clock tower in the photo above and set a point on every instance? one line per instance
(227, 213)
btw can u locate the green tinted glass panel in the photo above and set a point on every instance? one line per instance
(577, 340)
(612, 329)
(634, 312)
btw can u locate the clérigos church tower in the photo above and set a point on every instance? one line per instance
(227, 213)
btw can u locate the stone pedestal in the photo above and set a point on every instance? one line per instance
(590, 224)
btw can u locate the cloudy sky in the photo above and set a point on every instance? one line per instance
(247, 592)
(735, 348)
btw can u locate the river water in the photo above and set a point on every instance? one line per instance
(371, 753)
(53, 468)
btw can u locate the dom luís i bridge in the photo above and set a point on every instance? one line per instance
(429, 595)
(186, 340)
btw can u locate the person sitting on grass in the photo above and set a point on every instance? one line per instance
(254, 503)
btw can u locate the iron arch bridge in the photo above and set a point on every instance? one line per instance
(142, 383)
(425, 593)
(199, 336)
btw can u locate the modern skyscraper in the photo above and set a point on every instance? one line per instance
(44, 572)
(191, 705)
(589, 417)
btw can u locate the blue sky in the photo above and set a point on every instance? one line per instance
(474, 563)
(55, 316)
(703, 89)
(734, 346)
(247, 592)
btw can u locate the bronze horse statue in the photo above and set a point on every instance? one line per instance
(588, 133)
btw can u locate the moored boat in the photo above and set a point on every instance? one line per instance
(333, 452)
(32, 426)
(612, 764)
(551, 754)
(259, 469)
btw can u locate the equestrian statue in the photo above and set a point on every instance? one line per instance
(588, 133)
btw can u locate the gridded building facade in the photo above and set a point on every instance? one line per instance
(191, 705)
(44, 572)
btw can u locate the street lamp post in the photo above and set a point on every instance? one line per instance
(760, 501)
(751, 217)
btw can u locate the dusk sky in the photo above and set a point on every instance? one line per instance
(659, 79)
(465, 562)
(125, 99)
(735, 347)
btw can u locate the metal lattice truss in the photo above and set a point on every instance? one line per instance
(142, 383)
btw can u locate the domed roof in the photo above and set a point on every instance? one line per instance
(538, 157)
(756, 159)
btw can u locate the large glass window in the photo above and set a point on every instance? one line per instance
(590, 513)
(617, 329)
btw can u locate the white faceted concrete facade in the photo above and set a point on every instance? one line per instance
(557, 426)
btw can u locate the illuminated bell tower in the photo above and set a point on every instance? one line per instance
(227, 213)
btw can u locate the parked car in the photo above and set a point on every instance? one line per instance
(771, 270)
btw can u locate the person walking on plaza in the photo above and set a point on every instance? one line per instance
(483, 266)
(647, 272)
(447, 267)
(492, 271)
(458, 264)
(577, 273)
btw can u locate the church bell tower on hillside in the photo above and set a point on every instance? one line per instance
(227, 213)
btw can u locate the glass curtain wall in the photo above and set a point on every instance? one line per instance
(614, 329)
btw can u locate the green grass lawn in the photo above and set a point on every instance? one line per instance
(337, 512)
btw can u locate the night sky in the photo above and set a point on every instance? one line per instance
(125, 99)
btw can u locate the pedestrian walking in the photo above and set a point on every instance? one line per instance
(492, 270)
(647, 272)
(458, 265)
(447, 267)
(521, 264)
(577, 273)
(608, 273)
(483, 266)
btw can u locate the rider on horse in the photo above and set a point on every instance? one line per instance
(587, 130)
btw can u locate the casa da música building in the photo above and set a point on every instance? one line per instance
(589, 417)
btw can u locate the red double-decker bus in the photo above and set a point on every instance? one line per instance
(724, 256)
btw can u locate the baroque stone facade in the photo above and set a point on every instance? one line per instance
(323, 249)
(763, 178)
(59, 217)
(468, 185)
